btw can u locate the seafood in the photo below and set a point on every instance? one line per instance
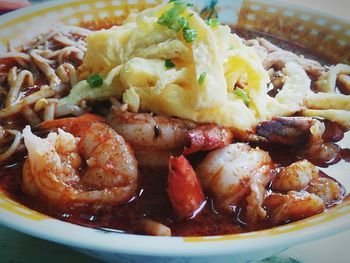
(54, 171)
(303, 175)
(292, 206)
(155, 138)
(286, 130)
(303, 193)
(327, 189)
(296, 177)
(184, 190)
(208, 137)
(304, 135)
(231, 173)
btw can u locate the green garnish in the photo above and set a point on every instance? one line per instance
(213, 22)
(202, 78)
(83, 91)
(169, 64)
(210, 11)
(172, 18)
(189, 34)
(95, 81)
(243, 95)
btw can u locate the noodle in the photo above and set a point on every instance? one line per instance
(44, 65)
(44, 92)
(67, 74)
(67, 51)
(15, 55)
(63, 40)
(16, 142)
(50, 112)
(74, 30)
(16, 83)
(67, 109)
(31, 116)
(44, 39)
(52, 50)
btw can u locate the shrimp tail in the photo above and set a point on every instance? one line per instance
(73, 123)
(184, 189)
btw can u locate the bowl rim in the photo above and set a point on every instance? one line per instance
(89, 238)
(94, 239)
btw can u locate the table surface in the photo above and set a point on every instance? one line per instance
(19, 248)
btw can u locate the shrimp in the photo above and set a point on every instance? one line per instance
(303, 193)
(292, 206)
(296, 177)
(233, 172)
(184, 189)
(255, 212)
(286, 130)
(303, 175)
(327, 189)
(54, 171)
(156, 138)
(303, 134)
(153, 138)
(208, 137)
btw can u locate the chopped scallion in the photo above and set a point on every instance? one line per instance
(243, 95)
(202, 78)
(213, 22)
(189, 34)
(172, 18)
(95, 81)
(169, 64)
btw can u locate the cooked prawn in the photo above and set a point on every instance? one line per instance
(296, 176)
(208, 137)
(233, 172)
(303, 134)
(54, 171)
(155, 138)
(303, 175)
(327, 189)
(293, 206)
(286, 130)
(184, 189)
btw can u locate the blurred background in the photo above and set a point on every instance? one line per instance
(337, 7)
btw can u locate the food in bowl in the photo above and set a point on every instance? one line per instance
(170, 124)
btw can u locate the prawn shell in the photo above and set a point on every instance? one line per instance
(184, 189)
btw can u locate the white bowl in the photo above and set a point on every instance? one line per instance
(270, 16)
